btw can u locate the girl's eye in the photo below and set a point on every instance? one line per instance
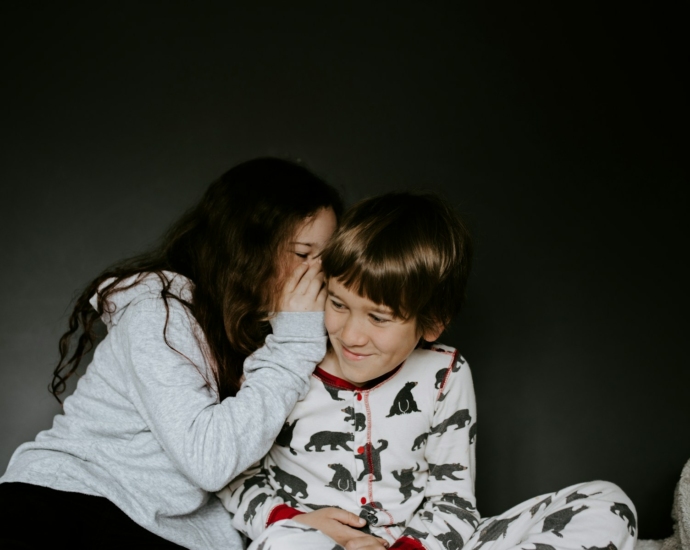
(303, 256)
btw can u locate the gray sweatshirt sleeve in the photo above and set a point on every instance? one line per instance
(208, 441)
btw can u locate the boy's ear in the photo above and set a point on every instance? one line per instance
(432, 334)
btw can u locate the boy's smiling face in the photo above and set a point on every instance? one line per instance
(368, 340)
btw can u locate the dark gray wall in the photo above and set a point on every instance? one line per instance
(556, 132)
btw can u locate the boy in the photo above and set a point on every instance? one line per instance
(388, 428)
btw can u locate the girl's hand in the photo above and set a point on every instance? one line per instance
(338, 524)
(304, 289)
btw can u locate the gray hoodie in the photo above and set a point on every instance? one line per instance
(144, 427)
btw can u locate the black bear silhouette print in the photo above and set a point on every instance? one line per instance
(460, 513)
(451, 540)
(342, 478)
(412, 532)
(624, 511)
(289, 483)
(371, 459)
(455, 500)
(440, 471)
(284, 438)
(257, 501)
(459, 419)
(358, 419)
(333, 392)
(534, 509)
(406, 479)
(404, 402)
(495, 530)
(557, 521)
(609, 546)
(440, 377)
(578, 496)
(419, 441)
(473, 433)
(333, 439)
(260, 480)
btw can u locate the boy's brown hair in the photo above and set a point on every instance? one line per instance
(410, 252)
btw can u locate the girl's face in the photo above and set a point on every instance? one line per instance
(310, 239)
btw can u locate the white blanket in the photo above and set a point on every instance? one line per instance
(680, 540)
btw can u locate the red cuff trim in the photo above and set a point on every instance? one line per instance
(407, 543)
(282, 511)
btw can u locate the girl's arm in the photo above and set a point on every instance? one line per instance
(448, 515)
(169, 381)
(208, 441)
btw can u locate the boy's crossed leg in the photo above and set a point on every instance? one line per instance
(595, 515)
(288, 534)
(588, 516)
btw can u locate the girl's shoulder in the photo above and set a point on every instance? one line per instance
(140, 288)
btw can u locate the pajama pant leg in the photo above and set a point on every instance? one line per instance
(291, 535)
(596, 515)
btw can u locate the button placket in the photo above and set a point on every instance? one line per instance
(360, 447)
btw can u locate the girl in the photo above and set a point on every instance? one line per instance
(195, 376)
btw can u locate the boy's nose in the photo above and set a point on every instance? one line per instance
(353, 333)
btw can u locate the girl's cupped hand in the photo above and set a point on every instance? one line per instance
(304, 289)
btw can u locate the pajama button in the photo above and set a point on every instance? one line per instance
(360, 450)
(359, 396)
(364, 500)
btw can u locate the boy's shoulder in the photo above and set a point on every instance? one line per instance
(434, 357)
(444, 361)
(427, 349)
(437, 346)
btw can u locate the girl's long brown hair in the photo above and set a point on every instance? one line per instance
(229, 246)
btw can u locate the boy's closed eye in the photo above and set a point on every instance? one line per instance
(336, 305)
(378, 319)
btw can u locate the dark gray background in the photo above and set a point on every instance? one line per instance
(559, 132)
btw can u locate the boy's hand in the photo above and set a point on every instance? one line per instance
(367, 542)
(338, 524)
(304, 289)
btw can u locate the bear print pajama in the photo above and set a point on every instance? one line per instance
(400, 453)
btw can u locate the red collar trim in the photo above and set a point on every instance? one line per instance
(328, 378)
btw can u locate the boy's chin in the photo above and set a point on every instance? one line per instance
(362, 379)
(355, 378)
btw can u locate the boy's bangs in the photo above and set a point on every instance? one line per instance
(382, 273)
(410, 253)
(381, 288)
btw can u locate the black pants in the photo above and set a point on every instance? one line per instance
(38, 517)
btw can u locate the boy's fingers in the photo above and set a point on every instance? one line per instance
(348, 518)
(366, 542)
